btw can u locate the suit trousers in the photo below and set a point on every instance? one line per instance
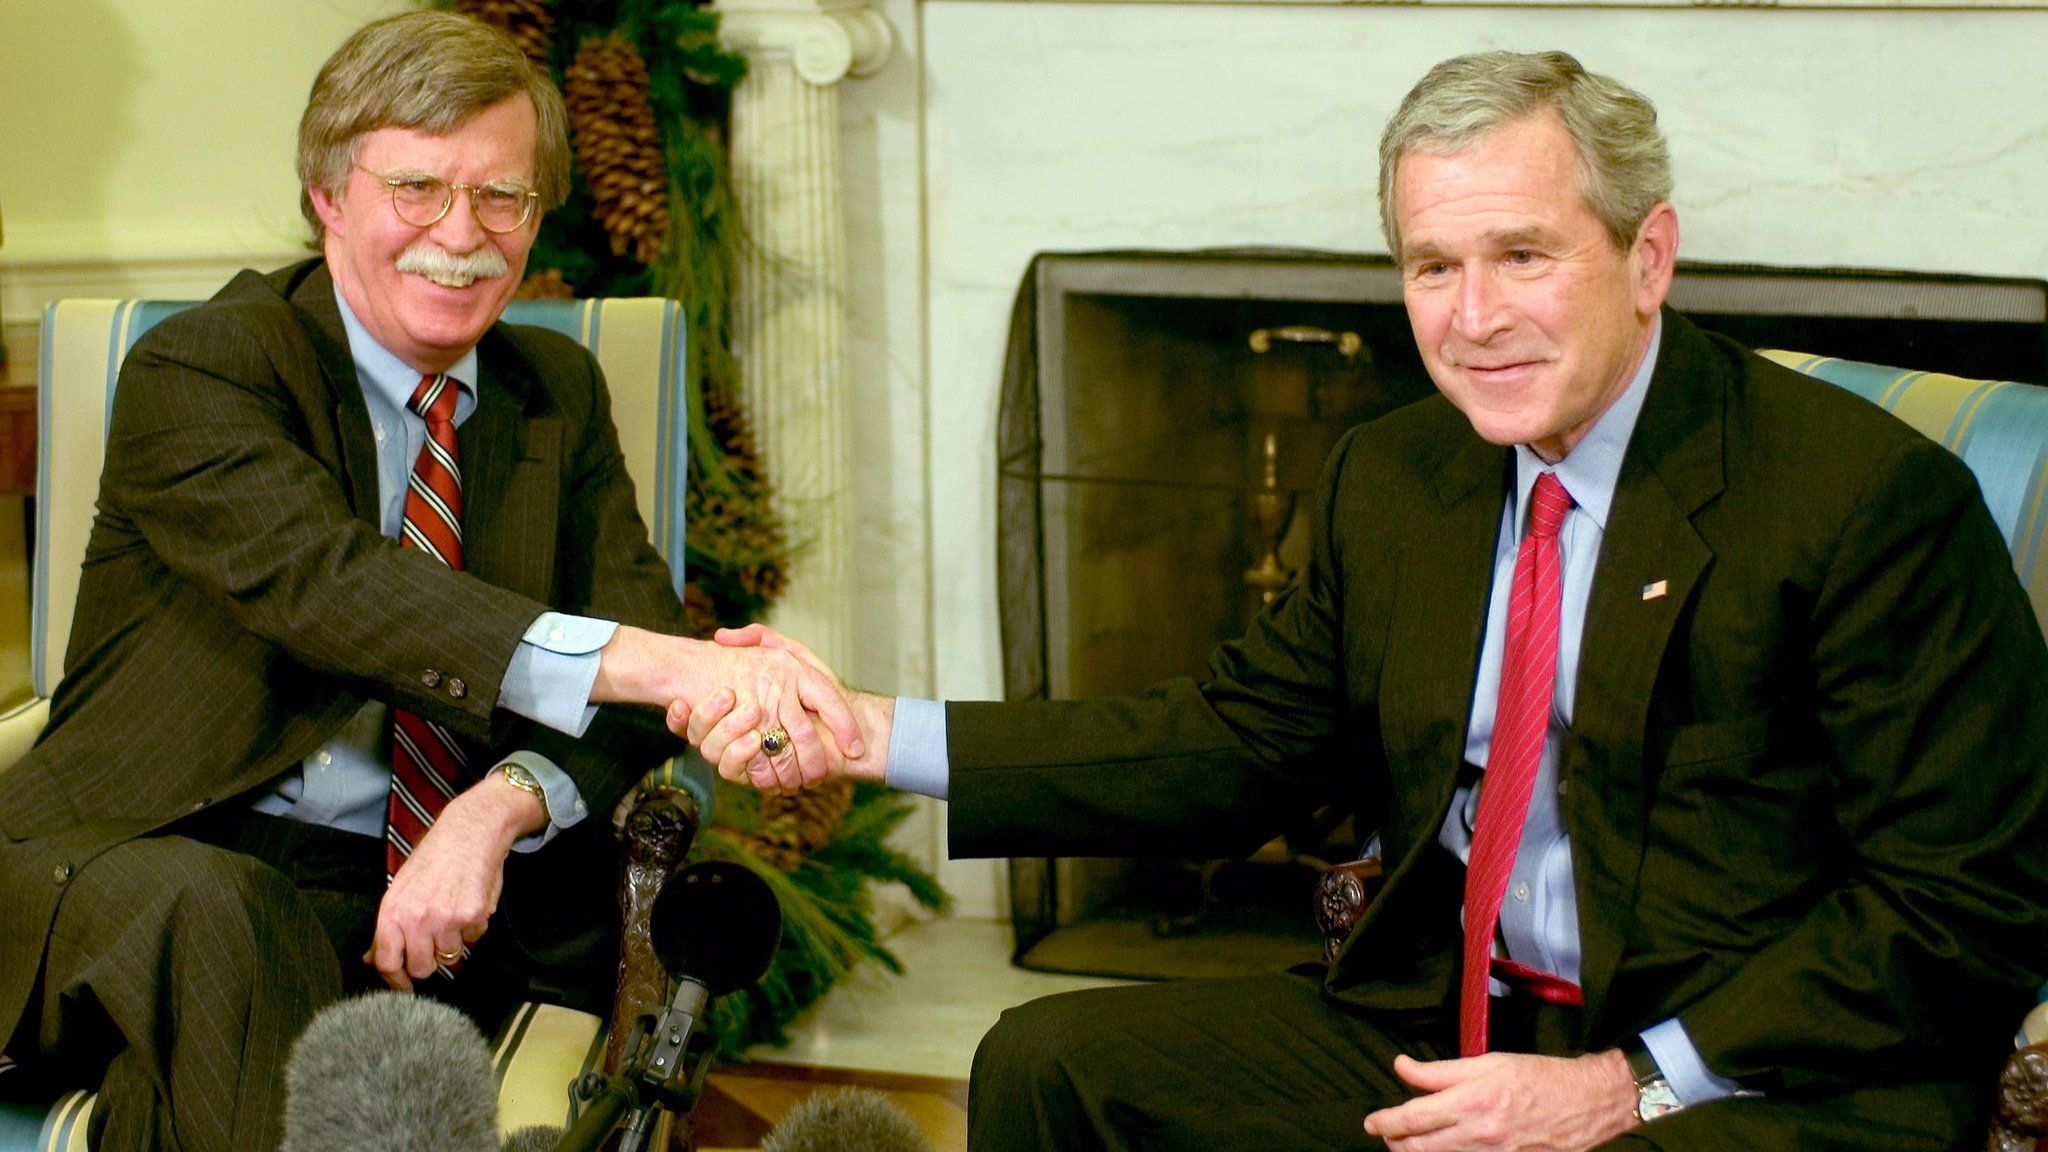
(1259, 1063)
(181, 967)
(1266, 1064)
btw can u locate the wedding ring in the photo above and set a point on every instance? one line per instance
(775, 741)
(448, 957)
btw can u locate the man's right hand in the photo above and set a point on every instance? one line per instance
(727, 731)
(782, 685)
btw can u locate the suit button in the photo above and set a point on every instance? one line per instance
(1562, 785)
(431, 678)
(457, 688)
(61, 873)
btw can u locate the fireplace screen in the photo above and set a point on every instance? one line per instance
(1162, 415)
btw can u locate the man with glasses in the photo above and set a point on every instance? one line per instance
(365, 589)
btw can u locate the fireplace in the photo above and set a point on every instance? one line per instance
(1163, 412)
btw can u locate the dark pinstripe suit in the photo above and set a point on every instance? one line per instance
(238, 602)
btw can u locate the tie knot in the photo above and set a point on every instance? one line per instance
(434, 400)
(1547, 506)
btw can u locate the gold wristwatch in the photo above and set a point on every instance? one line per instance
(517, 776)
(1654, 1096)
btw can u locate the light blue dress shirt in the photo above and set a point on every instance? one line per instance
(1539, 920)
(346, 782)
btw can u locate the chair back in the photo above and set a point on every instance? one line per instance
(1999, 428)
(638, 342)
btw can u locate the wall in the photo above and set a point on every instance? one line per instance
(1800, 137)
(146, 147)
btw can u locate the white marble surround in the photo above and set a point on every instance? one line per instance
(1873, 138)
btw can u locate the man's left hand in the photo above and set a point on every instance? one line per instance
(443, 896)
(1508, 1101)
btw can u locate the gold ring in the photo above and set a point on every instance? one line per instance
(775, 741)
(448, 957)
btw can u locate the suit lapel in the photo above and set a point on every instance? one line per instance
(1673, 467)
(314, 298)
(510, 470)
(1433, 654)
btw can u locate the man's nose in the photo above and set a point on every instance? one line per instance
(458, 229)
(1482, 304)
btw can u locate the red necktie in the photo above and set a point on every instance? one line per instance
(428, 765)
(1520, 720)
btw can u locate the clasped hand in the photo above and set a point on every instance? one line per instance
(793, 691)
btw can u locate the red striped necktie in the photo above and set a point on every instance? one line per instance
(1520, 721)
(428, 764)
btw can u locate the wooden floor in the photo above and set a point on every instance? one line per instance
(742, 1103)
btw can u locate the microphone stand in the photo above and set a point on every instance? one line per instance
(667, 1059)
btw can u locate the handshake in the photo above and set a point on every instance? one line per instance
(759, 706)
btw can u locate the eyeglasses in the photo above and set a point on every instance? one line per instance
(422, 201)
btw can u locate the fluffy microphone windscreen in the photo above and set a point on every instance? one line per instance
(846, 1120)
(538, 1138)
(388, 1072)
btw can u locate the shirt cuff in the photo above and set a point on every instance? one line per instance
(564, 803)
(917, 748)
(553, 669)
(1679, 1060)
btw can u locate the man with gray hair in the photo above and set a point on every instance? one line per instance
(363, 599)
(1701, 717)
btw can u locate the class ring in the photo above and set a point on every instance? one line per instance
(775, 741)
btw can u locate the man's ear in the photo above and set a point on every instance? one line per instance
(1656, 257)
(327, 206)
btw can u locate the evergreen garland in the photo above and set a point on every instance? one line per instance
(735, 544)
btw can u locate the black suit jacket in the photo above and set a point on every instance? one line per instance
(1805, 785)
(238, 601)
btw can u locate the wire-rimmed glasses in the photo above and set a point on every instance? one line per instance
(422, 200)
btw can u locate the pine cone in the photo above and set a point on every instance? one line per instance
(700, 614)
(792, 827)
(742, 516)
(546, 284)
(530, 24)
(618, 146)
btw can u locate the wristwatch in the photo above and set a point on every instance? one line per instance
(520, 778)
(1654, 1096)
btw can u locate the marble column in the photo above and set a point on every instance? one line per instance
(790, 315)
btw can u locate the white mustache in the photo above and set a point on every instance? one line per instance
(450, 270)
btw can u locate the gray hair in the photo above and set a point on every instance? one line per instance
(1624, 166)
(430, 72)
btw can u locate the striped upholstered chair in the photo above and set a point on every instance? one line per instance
(639, 344)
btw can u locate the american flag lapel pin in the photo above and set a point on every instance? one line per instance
(1656, 589)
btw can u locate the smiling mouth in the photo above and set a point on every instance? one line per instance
(449, 279)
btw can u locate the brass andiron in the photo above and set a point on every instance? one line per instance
(1272, 512)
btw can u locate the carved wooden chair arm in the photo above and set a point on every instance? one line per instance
(1342, 893)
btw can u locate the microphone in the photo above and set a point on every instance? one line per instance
(537, 1138)
(850, 1120)
(715, 927)
(391, 1073)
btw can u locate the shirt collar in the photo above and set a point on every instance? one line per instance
(382, 372)
(1592, 468)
